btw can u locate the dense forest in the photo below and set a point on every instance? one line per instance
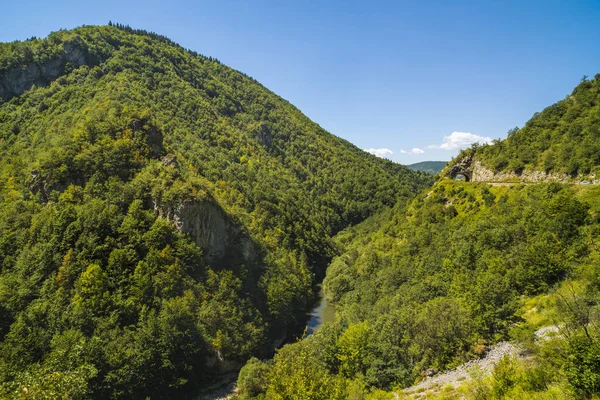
(435, 282)
(162, 217)
(440, 279)
(165, 219)
(564, 138)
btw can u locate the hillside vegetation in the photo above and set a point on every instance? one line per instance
(564, 138)
(437, 280)
(162, 217)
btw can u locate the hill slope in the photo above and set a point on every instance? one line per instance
(437, 280)
(162, 216)
(431, 284)
(559, 143)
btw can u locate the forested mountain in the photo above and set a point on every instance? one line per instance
(433, 283)
(437, 280)
(162, 217)
(431, 167)
(562, 139)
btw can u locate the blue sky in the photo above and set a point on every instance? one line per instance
(418, 78)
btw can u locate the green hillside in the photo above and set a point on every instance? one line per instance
(564, 138)
(162, 217)
(430, 167)
(435, 282)
(440, 279)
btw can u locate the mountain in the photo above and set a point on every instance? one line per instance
(163, 217)
(430, 167)
(562, 142)
(440, 279)
(434, 282)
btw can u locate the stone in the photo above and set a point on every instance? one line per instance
(210, 228)
(473, 170)
(170, 160)
(483, 174)
(16, 80)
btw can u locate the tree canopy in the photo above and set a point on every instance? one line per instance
(564, 138)
(162, 217)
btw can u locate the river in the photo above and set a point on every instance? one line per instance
(224, 387)
(324, 312)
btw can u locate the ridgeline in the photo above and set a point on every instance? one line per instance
(163, 217)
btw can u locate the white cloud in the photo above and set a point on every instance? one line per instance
(461, 140)
(415, 150)
(383, 153)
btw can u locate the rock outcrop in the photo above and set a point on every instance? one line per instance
(474, 171)
(16, 80)
(211, 229)
(461, 167)
(483, 174)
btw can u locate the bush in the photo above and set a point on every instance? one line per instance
(583, 365)
(504, 376)
(252, 380)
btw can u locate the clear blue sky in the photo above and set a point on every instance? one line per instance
(391, 75)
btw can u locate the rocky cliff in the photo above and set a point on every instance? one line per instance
(17, 79)
(483, 174)
(211, 229)
(473, 170)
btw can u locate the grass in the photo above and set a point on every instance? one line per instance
(539, 311)
(590, 194)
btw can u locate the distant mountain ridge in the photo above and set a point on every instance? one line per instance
(430, 167)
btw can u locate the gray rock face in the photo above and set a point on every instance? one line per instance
(483, 174)
(211, 229)
(463, 167)
(15, 81)
(473, 170)
(207, 226)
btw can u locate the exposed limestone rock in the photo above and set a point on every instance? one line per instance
(483, 174)
(170, 160)
(19, 79)
(211, 229)
(462, 373)
(207, 226)
(461, 167)
(474, 171)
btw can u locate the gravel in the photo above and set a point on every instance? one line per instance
(460, 374)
